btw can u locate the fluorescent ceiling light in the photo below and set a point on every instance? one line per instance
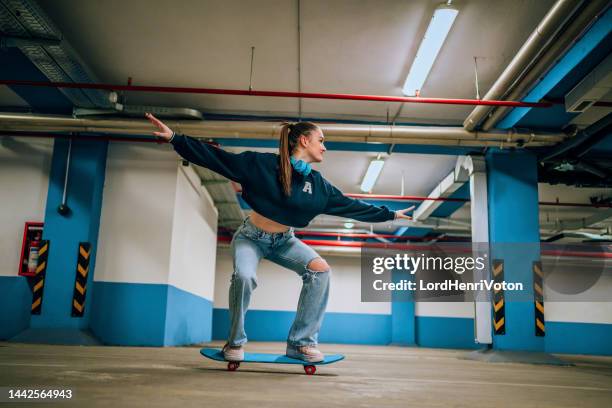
(436, 33)
(372, 174)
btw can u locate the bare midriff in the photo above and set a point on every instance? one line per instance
(266, 224)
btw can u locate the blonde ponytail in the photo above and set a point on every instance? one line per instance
(284, 151)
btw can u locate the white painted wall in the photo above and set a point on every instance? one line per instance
(445, 309)
(575, 308)
(579, 312)
(24, 181)
(158, 225)
(194, 236)
(279, 288)
(137, 209)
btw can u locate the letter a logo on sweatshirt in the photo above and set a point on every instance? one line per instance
(307, 187)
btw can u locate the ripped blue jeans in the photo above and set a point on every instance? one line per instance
(249, 245)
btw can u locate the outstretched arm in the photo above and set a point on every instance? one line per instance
(233, 166)
(341, 205)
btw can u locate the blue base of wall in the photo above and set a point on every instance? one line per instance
(350, 328)
(579, 338)
(131, 314)
(15, 304)
(445, 332)
(135, 314)
(270, 325)
(188, 318)
(437, 332)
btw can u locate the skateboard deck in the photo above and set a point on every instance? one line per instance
(309, 368)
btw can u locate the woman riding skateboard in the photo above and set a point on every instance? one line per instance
(284, 193)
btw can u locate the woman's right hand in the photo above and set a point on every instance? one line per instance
(165, 133)
(401, 214)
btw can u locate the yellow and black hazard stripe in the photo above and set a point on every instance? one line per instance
(538, 298)
(499, 307)
(38, 280)
(80, 283)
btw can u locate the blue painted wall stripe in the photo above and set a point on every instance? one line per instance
(188, 318)
(15, 305)
(155, 315)
(579, 338)
(269, 325)
(351, 328)
(445, 332)
(129, 314)
(437, 332)
(138, 314)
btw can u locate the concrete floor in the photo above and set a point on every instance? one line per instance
(369, 377)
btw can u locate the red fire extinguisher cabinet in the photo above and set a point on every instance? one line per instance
(32, 233)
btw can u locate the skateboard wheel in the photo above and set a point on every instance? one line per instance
(233, 366)
(310, 370)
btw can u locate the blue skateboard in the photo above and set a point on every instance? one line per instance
(309, 368)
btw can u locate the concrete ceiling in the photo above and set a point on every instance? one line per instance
(347, 46)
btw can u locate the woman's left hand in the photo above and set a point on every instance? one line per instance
(165, 133)
(401, 214)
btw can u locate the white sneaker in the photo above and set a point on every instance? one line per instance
(233, 353)
(307, 353)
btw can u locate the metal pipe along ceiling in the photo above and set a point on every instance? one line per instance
(427, 135)
(543, 33)
(276, 94)
(557, 48)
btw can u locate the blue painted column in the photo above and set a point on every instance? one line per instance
(84, 198)
(514, 237)
(403, 319)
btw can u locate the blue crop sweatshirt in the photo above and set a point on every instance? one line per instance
(311, 195)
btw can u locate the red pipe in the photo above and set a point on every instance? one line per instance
(383, 245)
(578, 254)
(353, 235)
(372, 236)
(279, 94)
(420, 198)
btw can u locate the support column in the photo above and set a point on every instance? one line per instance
(403, 318)
(56, 323)
(473, 169)
(514, 234)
